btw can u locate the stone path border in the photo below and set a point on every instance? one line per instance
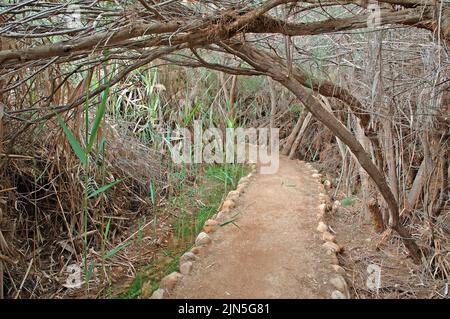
(169, 282)
(331, 247)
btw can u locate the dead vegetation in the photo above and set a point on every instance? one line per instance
(399, 277)
(370, 105)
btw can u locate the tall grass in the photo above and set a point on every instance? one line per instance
(194, 203)
(90, 149)
(141, 110)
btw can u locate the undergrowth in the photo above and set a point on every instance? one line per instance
(193, 205)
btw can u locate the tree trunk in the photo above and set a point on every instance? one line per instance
(288, 145)
(417, 187)
(375, 213)
(390, 157)
(300, 135)
(233, 91)
(371, 208)
(273, 102)
(363, 158)
(274, 66)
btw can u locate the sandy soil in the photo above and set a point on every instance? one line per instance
(274, 252)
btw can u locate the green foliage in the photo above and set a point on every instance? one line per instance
(216, 182)
(83, 155)
(76, 147)
(135, 289)
(104, 188)
(152, 192)
(138, 105)
(100, 112)
(194, 205)
(115, 250)
(296, 109)
(229, 174)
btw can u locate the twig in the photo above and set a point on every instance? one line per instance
(23, 280)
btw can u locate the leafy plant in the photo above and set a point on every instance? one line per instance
(83, 154)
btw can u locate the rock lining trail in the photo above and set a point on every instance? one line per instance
(275, 252)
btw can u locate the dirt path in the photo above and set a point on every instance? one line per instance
(275, 252)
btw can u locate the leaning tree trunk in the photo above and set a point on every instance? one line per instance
(363, 158)
(287, 147)
(300, 135)
(386, 136)
(274, 67)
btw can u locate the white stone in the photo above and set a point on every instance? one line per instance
(188, 256)
(233, 195)
(202, 239)
(243, 184)
(241, 188)
(221, 217)
(322, 207)
(327, 236)
(159, 294)
(322, 227)
(170, 281)
(228, 204)
(243, 180)
(339, 283)
(335, 206)
(339, 269)
(186, 268)
(196, 250)
(210, 226)
(320, 216)
(337, 295)
(331, 247)
(333, 259)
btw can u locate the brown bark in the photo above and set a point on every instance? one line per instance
(273, 103)
(287, 147)
(202, 33)
(96, 41)
(416, 189)
(365, 180)
(375, 213)
(300, 135)
(266, 24)
(233, 90)
(390, 157)
(364, 160)
(329, 89)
